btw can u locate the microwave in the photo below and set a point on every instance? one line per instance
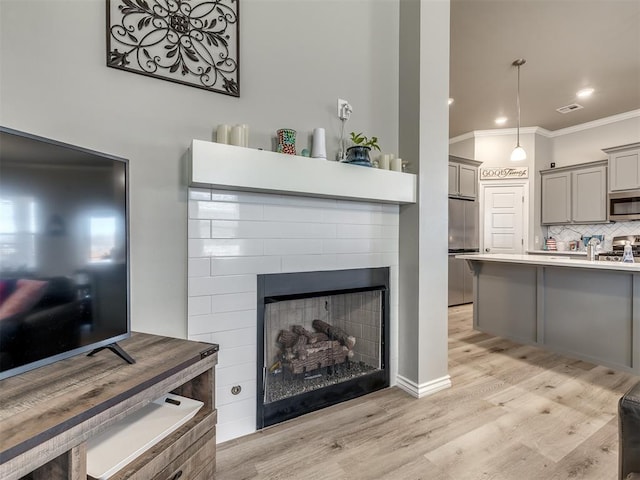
(624, 205)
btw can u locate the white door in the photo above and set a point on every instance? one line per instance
(503, 219)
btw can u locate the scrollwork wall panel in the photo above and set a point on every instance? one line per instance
(194, 42)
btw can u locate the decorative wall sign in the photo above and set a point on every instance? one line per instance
(194, 42)
(500, 173)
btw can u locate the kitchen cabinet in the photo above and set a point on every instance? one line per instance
(463, 177)
(575, 194)
(624, 167)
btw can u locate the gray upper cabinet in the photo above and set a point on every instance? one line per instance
(463, 177)
(624, 167)
(556, 197)
(589, 200)
(575, 194)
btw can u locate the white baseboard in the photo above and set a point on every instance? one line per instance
(425, 389)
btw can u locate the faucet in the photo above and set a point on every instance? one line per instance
(591, 248)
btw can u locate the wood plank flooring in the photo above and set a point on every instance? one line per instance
(514, 412)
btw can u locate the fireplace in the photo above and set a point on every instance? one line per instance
(323, 338)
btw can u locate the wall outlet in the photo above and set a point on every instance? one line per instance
(344, 109)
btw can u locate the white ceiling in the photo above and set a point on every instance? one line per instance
(568, 45)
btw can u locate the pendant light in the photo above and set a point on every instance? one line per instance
(518, 153)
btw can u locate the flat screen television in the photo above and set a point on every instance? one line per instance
(64, 251)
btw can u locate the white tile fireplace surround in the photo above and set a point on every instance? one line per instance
(234, 235)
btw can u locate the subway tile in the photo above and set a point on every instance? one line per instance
(224, 247)
(199, 194)
(240, 265)
(384, 245)
(389, 231)
(359, 260)
(391, 208)
(309, 263)
(391, 219)
(201, 337)
(198, 267)
(199, 229)
(220, 322)
(291, 213)
(389, 259)
(233, 374)
(233, 302)
(292, 247)
(220, 285)
(348, 245)
(224, 211)
(234, 428)
(234, 355)
(353, 217)
(356, 205)
(236, 338)
(237, 196)
(358, 231)
(313, 202)
(237, 409)
(257, 229)
(198, 305)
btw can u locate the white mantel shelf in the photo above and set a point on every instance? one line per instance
(238, 168)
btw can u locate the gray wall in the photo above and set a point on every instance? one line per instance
(297, 58)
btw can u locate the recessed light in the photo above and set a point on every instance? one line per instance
(450, 101)
(585, 92)
(501, 120)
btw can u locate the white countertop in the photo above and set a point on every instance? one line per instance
(564, 252)
(552, 261)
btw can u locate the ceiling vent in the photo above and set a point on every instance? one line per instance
(569, 108)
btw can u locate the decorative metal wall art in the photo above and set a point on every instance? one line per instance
(194, 42)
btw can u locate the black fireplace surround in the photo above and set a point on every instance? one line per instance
(360, 379)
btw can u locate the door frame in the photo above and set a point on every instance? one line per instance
(525, 208)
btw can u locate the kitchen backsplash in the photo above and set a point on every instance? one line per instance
(566, 233)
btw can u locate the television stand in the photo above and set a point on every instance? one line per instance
(50, 413)
(115, 348)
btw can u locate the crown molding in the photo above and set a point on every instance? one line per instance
(462, 138)
(597, 123)
(547, 133)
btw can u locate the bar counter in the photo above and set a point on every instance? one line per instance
(584, 309)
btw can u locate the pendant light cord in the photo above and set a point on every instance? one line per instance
(518, 63)
(518, 104)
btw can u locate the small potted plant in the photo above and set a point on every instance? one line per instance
(359, 152)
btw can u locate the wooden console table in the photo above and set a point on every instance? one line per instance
(47, 414)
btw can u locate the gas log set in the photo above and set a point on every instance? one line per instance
(302, 351)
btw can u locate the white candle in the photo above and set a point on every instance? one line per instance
(245, 135)
(396, 164)
(222, 133)
(384, 162)
(237, 136)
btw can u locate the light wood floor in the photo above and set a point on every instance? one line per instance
(514, 413)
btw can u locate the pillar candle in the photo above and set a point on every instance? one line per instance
(222, 133)
(245, 135)
(396, 164)
(236, 137)
(384, 162)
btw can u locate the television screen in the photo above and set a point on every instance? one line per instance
(64, 275)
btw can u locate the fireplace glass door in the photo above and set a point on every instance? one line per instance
(322, 339)
(313, 343)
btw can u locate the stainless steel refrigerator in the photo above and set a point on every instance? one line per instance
(463, 238)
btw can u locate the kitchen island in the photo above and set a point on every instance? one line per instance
(585, 309)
